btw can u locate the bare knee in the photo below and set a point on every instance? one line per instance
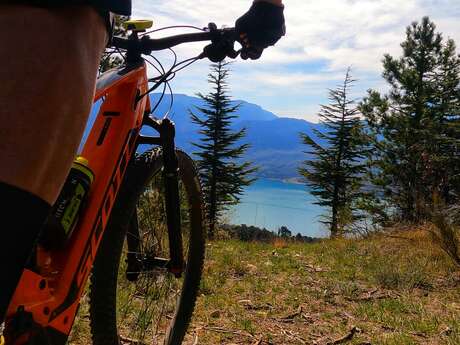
(49, 63)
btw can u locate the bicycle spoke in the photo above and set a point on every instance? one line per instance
(147, 305)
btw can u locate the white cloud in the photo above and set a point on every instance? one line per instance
(337, 33)
(295, 80)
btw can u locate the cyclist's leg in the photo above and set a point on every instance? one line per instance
(49, 60)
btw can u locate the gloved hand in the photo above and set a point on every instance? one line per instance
(262, 26)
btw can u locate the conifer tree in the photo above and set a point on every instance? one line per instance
(334, 174)
(444, 154)
(415, 126)
(222, 174)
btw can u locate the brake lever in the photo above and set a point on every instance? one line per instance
(217, 54)
(234, 53)
(222, 46)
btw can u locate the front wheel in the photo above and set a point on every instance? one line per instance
(134, 299)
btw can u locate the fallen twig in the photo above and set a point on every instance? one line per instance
(126, 340)
(291, 335)
(374, 297)
(317, 269)
(258, 342)
(291, 317)
(419, 334)
(370, 296)
(345, 338)
(446, 331)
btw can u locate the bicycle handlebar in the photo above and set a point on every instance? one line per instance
(222, 39)
(146, 45)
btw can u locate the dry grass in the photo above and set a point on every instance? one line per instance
(397, 289)
(280, 243)
(382, 290)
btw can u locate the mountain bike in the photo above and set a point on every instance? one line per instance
(142, 225)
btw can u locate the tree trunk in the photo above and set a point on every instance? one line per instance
(334, 222)
(212, 207)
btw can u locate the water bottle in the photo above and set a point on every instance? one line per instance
(65, 212)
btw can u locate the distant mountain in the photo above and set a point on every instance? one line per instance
(275, 142)
(276, 146)
(182, 103)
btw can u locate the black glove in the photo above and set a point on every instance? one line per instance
(262, 26)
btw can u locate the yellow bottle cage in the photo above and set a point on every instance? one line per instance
(137, 25)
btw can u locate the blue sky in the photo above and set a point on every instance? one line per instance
(324, 38)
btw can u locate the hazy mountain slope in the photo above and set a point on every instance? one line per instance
(182, 103)
(275, 143)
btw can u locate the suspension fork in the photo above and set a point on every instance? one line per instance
(167, 133)
(172, 199)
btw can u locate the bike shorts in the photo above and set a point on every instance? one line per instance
(106, 8)
(122, 7)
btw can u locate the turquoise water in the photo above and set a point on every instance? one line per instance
(273, 203)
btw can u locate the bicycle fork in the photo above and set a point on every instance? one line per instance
(172, 199)
(166, 130)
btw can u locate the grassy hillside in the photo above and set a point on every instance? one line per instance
(385, 290)
(397, 289)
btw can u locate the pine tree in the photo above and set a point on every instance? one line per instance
(445, 152)
(415, 126)
(222, 175)
(334, 174)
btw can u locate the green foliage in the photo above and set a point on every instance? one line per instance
(222, 175)
(284, 232)
(249, 233)
(335, 172)
(254, 234)
(416, 126)
(110, 60)
(446, 230)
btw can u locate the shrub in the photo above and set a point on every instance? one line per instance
(445, 231)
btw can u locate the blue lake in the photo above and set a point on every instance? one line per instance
(272, 203)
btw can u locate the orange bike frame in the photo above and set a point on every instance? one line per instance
(51, 292)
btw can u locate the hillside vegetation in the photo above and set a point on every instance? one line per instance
(389, 289)
(395, 288)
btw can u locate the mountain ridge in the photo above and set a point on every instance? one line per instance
(275, 145)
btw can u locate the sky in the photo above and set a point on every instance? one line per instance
(323, 39)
